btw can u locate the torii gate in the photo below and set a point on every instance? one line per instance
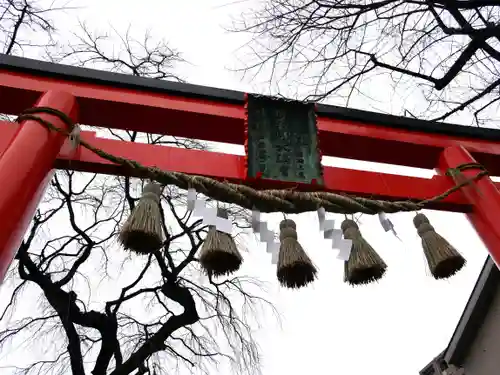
(29, 152)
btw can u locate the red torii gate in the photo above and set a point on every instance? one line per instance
(28, 151)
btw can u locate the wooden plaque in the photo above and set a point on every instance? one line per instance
(282, 140)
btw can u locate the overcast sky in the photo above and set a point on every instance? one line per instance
(394, 327)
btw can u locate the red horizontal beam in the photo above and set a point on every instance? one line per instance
(214, 120)
(231, 168)
(126, 109)
(400, 147)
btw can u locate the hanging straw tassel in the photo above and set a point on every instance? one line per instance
(364, 265)
(219, 254)
(295, 268)
(143, 231)
(443, 260)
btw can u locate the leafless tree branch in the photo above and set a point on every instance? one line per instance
(449, 49)
(109, 312)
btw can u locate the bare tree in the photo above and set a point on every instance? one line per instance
(27, 23)
(449, 48)
(80, 304)
(118, 53)
(156, 315)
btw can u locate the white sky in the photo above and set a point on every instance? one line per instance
(394, 327)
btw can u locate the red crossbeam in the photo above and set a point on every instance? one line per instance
(152, 106)
(214, 119)
(231, 168)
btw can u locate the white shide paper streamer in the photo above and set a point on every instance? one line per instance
(200, 208)
(387, 224)
(266, 235)
(330, 233)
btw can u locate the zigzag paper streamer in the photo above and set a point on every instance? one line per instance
(330, 233)
(328, 228)
(209, 214)
(321, 218)
(345, 247)
(387, 224)
(191, 199)
(266, 235)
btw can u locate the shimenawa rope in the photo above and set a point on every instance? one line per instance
(285, 200)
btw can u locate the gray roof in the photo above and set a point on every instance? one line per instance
(471, 320)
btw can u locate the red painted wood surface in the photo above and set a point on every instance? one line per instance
(231, 167)
(25, 163)
(30, 152)
(483, 195)
(223, 122)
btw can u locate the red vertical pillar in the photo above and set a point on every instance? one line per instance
(24, 169)
(484, 197)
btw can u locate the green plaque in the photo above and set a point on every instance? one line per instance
(282, 140)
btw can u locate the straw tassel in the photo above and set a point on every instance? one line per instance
(219, 254)
(295, 268)
(443, 260)
(364, 265)
(143, 230)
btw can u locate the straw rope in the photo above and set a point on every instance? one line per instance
(276, 200)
